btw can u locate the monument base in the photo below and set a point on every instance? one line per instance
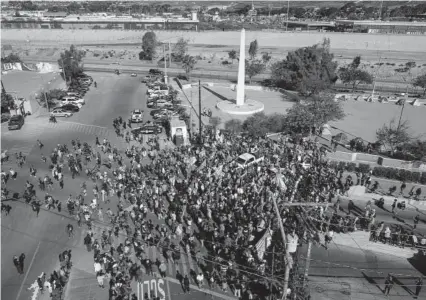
(248, 108)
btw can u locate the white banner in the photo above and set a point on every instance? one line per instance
(264, 243)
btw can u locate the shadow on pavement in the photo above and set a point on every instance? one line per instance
(396, 280)
(418, 261)
(372, 281)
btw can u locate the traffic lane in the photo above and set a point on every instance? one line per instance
(403, 217)
(40, 239)
(343, 261)
(171, 288)
(115, 95)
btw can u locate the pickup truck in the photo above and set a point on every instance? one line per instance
(247, 159)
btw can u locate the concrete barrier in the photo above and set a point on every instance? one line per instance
(396, 163)
(339, 155)
(367, 157)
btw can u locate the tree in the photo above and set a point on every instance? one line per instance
(420, 81)
(149, 45)
(188, 64)
(232, 55)
(7, 102)
(393, 135)
(254, 47)
(215, 121)
(180, 49)
(254, 67)
(71, 63)
(316, 111)
(266, 57)
(256, 125)
(73, 7)
(353, 75)
(11, 58)
(309, 70)
(234, 125)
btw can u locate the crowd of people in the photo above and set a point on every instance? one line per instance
(203, 203)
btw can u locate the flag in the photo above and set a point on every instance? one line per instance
(280, 182)
(202, 166)
(264, 243)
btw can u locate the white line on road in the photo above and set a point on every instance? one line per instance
(168, 289)
(28, 271)
(207, 291)
(88, 125)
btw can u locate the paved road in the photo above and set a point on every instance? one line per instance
(363, 273)
(43, 238)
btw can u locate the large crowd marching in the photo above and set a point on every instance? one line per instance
(202, 202)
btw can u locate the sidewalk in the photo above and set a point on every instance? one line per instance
(359, 193)
(361, 239)
(327, 288)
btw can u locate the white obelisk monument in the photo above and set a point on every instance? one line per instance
(241, 106)
(241, 69)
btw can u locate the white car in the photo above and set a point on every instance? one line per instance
(73, 100)
(133, 75)
(137, 116)
(59, 112)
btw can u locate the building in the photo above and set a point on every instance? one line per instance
(381, 27)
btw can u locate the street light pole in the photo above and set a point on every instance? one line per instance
(199, 113)
(3, 90)
(288, 9)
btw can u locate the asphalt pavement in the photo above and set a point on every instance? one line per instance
(42, 238)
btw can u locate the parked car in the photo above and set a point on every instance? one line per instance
(60, 112)
(117, 72)
(68, 100)
(156, 72)
(159, 103)
(71, 107)
(133, 75)
(148, 129)
(149, 78)
(16, 122)
(137, 116)
(159, 110)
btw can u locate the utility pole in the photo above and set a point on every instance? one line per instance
(288, 9)
(375, 76)
(170, 55)
(165, 63)
(190, 115)
(199, 112)
(272, 272)
(402, 109)
(308, 260)
(287, 255)
(3, 90)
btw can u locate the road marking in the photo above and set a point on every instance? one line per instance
(28, 271)
(207, 291)
(82, 124)
(168, 289)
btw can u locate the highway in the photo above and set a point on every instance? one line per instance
(208, 71)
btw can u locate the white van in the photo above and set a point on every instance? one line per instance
(73, 100)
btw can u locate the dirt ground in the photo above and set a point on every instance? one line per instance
(391, 51)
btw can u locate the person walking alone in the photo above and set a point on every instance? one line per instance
(17, 264)
(419, 285)
(21, 262)
(388, 284)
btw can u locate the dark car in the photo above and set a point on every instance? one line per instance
(148, 129)
(16, 122)
(155, 72)
(70, 107)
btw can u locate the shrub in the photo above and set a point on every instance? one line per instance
(333, 164)
(364, 168)
(415, 176)
(423, 178)
(350, 167)
(225, 62)
(341, 165)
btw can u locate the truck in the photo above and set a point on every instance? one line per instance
(247, 159)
